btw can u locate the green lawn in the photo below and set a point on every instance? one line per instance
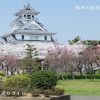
(80, 87)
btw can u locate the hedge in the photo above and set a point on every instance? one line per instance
(17, 81)
(68, 76)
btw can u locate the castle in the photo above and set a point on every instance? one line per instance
(26, 27)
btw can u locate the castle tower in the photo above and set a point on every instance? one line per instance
(26, 28)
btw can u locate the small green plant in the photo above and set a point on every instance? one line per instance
(44, 79)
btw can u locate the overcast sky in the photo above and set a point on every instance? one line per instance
(67, 18)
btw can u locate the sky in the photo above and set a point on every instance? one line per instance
(66, 18)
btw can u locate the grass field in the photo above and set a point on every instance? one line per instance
(80, 87)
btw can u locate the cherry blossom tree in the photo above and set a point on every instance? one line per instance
(8, 62)
(97, 55)
(91, 57)
(59, 59)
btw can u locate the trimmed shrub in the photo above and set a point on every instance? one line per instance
(64, 76)
(97, 76)
(1, 86)
(89, 77)
(97, 72)
(18, 82)
(2, 74)
(47, 92)
(36, 92)
(1, 78)
(57, 91)
(44, 79)
(79, 77)
(68, 76)
(59, 76)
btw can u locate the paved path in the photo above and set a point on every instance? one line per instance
(85, 97)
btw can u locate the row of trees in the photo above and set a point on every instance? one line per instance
(64, 60)
(77, 40)
(60, 59)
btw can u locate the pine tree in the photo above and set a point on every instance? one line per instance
(29, 61)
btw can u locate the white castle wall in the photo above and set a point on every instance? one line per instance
(32, 37)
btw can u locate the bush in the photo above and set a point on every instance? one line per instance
(47, 92)
(57, 91)
(2, 74)
(97, 76)
(36, 92)
(44, 79)
(1, 86)
(89, 76)
(97, 72)
(68, 76)
(79, 77)
(1, 78)
(18, 82)
(64, 76)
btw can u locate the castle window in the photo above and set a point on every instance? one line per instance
(45, 37)
(32, 16)
(29, 16)
(25, 16)
(22, 37)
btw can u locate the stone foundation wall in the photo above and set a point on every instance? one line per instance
(64, 97)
